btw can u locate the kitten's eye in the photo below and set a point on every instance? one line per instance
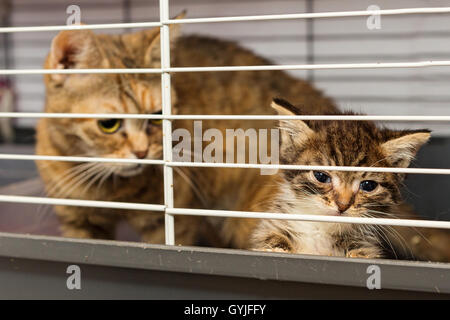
(110, 125)
(322, 177)
(368, 185)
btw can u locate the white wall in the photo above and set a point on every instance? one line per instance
(421, 91)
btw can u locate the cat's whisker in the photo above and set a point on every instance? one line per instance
(93, 179)
(63, 178)
(68, 175)
(194, 187)
(107, 174)
(82, 178)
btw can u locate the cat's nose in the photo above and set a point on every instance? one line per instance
(141, 154)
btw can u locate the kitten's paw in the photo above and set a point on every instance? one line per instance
(271, 250)
(368, 253)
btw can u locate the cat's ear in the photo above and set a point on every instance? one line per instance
(152, 57)
(293, 132)
(74, 49)
(403, 146)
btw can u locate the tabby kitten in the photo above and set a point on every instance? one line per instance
(334, 193)
(192, 93)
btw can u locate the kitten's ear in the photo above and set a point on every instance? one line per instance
(153, 52)
(293, 132)
(402, 147)
(74, 49)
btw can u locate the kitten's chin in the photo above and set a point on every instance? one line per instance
(128, 172)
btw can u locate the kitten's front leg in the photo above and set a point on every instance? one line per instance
(368, 252)
(274, 242)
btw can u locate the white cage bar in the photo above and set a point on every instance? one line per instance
(330, 66)
(165, 70)
(167, 124)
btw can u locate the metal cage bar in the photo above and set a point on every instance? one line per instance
(169, 219)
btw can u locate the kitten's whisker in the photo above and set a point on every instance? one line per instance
(394, 233)
(380, 232)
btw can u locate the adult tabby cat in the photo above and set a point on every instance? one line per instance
(339, 193)
(192, 93)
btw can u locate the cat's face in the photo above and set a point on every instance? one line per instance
(116, 138)
(344, 143)
(107, 93)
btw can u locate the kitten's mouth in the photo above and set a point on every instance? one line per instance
(130, 171)
(336, 213)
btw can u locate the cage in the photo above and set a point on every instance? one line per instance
(394, 72)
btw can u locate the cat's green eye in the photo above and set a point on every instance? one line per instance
(156, 122)
(110, 125)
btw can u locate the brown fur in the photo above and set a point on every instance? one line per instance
(192, 93)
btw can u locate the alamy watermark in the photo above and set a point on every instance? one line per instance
(374, 20)
(240, 145)
(374, 280)
(74, 13)
(74, 280)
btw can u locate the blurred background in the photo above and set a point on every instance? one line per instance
(409, 91)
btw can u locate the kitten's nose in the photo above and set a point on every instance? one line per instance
(342, 207)
(344, 199)
(140, 154)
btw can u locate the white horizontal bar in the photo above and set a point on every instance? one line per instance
(375, 65)
(225, 213)
(82, 203)
(221, 117)
(224, 165)
(79, 115)
(79, 71)
(81, 27)
(311, 217)
(77, 159)
(304, 167)
(230, 19)
(331, 66)
(312, 15)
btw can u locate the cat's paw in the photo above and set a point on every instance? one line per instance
(367, 253)
(77, 233)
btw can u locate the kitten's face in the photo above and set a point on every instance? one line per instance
(107, 93)
(354, 194)
(344, 143)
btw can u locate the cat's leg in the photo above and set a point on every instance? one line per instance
(77, 223)
(149, 225)
(188, 230)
